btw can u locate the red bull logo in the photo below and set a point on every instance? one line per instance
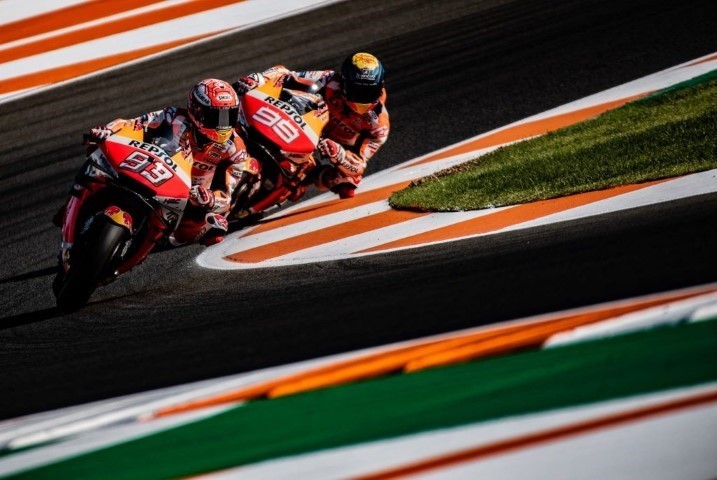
(119, 216)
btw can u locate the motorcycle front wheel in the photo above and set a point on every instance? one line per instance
(90, 261)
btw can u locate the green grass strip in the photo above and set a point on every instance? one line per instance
(399, 405)
(665, 135)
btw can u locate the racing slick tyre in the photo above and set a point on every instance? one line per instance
(91, 258)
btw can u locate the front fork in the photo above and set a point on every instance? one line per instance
(72, 212)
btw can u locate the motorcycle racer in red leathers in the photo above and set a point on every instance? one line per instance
(358, 124)
(204, 129)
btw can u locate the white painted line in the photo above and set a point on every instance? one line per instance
(263, 238)
(703, 314)
(678, 188)
(100, 21)
(15, 10)
(96, 440)
(240, 16)
(676, 445)
(336, 250)
(663, 315)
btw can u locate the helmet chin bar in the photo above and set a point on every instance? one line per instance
(361, 108)
(218, 135)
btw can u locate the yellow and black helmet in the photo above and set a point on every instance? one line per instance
(362, 81)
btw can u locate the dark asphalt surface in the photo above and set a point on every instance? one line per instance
(455, 69)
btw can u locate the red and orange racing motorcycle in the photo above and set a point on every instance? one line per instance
(129, 198)
(281, 128)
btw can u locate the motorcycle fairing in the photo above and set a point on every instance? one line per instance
(315, 119)
(149, 165)
(280, 122)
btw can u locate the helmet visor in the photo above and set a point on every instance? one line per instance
(358, 93)
(218, 117)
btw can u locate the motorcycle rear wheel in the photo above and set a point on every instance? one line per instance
(90, 262)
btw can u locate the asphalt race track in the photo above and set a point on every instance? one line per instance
(455, 69)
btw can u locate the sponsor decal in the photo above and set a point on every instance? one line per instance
(214, 154)
(205, 167)
(156, 151)
(347, 165)
(250, 165)
(119, 216)
(365, 61)
(286, 108)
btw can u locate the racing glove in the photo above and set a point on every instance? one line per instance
(349, 165)
(333, 151)
(97, 135)
(201, 197)
(249, 82)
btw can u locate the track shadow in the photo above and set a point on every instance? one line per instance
(29, 318)
(49, 313)
(30, 275)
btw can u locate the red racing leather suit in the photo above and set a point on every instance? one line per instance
(361, 135)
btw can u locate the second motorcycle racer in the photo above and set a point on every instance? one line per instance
(359, 122)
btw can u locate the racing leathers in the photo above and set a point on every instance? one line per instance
(350, 139)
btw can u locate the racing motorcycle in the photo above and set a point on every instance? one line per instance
(129, 198)
(281, 128)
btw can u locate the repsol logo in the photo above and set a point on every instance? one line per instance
(156, 151)
(203, 166)
(288, 109)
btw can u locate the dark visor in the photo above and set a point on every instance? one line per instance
(219, 118)
(362, 93)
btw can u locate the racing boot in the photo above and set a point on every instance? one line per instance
(208, 229)
(332, 179)
(217, 231)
